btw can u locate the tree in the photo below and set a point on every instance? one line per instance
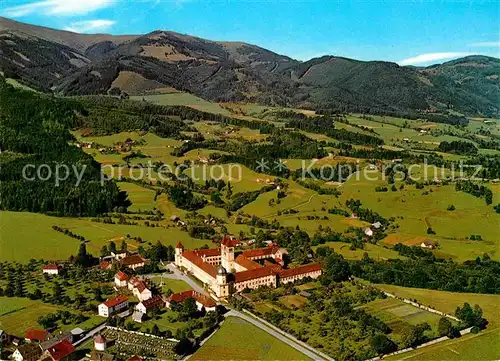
(382, 344)
(471, 316)
(336, 269)
(124, 245)
(189, 307)
(260, 239)
(104, 251)
(445, 327)
(155, 330)
(412, 336)
(112, 247)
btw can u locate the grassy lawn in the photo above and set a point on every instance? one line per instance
(175, 285)
(19, 314)
(232, 342)
(374, 251)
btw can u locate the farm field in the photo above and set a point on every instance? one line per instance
(19, 314)
(232, 342)
(483, 346)
(397, 315)
(374, 251)
(181, 98)
(44, 242)
(142, 198)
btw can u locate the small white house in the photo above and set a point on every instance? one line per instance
(121, 279)
(100, 343)
(368, 232)
(112, 305)
(51, 269)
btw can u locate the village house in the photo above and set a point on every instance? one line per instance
(149, 304)
(113, 305)
(247, 269)
(100, 343)
(121, 279)
(34, 335)
(133, 261)
(428, 244)
(51, 269)
(139, 289)
(59, 352)
(118, 255)
(135, 358)
(27, 352)
(368, 231)
(202, 301)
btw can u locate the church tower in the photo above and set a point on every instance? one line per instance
(227, 253)
(178, 254)
(222, 289)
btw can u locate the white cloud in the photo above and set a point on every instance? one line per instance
(90, 26)
(57, 7)
(430, 57)
(489, 44)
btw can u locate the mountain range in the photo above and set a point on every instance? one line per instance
(67, 63)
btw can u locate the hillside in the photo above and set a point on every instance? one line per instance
(75, 64)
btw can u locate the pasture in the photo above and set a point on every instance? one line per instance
(19, 314)
(186, 99)
(232, 342)
(142, 198)
(42, 242)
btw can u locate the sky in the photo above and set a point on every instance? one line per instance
(408, 32)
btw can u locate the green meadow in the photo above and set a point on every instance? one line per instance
(186, 99)
(232, 342)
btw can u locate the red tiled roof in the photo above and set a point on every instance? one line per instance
(135, 358)
(182, 296)
(209, 252)
(228, 242)
(61, 349)
(313, 267)
(141, 286)
(192, 257)
(99, 339)
(253, 274)
(132, 260)
(51, 266)
(153, 302)
(179, 245)
(104, 265)
(121, 276)
(247, 263)
(275, 267)
(259, 252)
(204, 300)
(112, 302)
(36, 335)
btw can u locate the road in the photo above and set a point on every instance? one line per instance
(280, 335)
(90, 334)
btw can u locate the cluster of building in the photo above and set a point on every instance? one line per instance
(225, 271)
(123, 259)
(147, 300)
(42, 346)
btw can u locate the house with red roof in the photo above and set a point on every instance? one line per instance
(34, 335)
(113, 305)
(51, 269)
(202, 301)
(133, 261)
(149, 304)
(59, 352)
(121, 279)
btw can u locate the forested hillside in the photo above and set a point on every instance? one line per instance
(76, 64)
